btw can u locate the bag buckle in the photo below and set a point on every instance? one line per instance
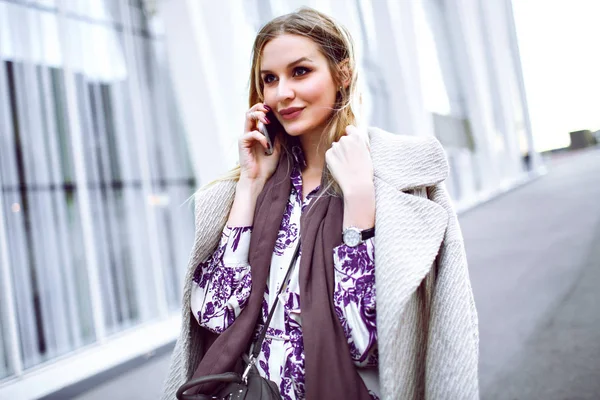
(251, 362)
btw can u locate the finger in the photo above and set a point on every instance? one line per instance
(265, 108)
(248, 139)
(258, 115)
(260, 107)
(328, 157)
(332, 162)
(352, 130)
(255, 136)
(342, 144)
(252, 117)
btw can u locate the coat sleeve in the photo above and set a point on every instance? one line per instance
(212, 207)
(453, 340)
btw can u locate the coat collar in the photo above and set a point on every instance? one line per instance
(407, 162)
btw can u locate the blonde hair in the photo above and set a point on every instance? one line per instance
(335, 43)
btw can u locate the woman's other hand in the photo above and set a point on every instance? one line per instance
(349, 161)
(255, 164)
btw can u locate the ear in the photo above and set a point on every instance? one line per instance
(346, 73)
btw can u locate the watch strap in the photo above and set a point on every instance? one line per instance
(367, 233)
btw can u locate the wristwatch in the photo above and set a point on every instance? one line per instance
(353, 236)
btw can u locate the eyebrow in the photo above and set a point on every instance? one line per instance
(298, 61)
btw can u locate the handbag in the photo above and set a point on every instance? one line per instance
(249, 385)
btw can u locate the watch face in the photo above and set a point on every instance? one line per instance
(352, 237)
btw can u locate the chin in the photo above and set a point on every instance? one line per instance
(294, 132)
(299, 128)
(295, 129)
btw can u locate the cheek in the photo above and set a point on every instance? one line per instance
(319, 91)
(270, 97)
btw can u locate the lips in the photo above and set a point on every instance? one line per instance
(290, 113)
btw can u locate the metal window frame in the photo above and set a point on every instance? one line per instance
(8, 303)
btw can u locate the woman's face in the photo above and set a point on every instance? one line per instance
(298, 84)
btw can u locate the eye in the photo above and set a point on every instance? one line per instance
(299, 71)
(268, 78)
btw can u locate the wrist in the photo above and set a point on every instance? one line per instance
(244, 203)
(248, 186)
(359, 207)
(359, 191)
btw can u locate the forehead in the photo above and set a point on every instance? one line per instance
(284, 49)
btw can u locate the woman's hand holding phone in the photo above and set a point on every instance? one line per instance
(256, 164)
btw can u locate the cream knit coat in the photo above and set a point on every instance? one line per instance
(426, 317)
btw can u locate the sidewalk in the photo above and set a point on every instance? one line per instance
(534, 259)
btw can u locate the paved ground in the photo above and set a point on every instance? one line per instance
(534, 257)
(535, 268)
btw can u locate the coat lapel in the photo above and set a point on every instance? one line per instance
(409, 232)
(409, 228)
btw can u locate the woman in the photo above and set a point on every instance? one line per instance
(366, 206)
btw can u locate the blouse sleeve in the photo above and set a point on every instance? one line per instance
(354, 299)
(223, 282)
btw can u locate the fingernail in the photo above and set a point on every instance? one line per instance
(267, 119)
(267, 107)
(269, 146)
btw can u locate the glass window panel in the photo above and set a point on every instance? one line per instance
(4, 366)
(4, 344)
(5, 312)
(18, 223)
(53, 318)
(170, 168)
(67, 211)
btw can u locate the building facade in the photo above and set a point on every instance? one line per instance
(448, 68)
(95, 172)
(112, 113)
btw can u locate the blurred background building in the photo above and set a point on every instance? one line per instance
(113, 112)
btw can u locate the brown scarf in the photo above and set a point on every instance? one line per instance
(330, 371)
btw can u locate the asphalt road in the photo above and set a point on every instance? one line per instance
(534, 260)
(534, 257)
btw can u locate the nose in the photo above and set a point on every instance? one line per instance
(284, 91)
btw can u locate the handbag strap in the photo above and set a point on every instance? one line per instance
(258, 344)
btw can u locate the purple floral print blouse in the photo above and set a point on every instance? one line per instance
(223, 283)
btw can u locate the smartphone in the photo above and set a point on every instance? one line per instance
(270, 131)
